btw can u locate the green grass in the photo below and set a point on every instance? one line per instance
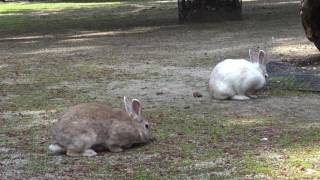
(205, 144)
(50, 6)
(50, 17)
(44, 17)
(51, 23)
(185, 145)
(285, 86)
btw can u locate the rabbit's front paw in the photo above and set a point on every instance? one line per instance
(115, 149)
(253, 96)
(89, 153)
(240, 97)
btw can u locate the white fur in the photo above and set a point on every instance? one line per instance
(56, 149)
(237, 78)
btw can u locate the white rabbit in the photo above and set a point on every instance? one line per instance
(86, 125)
(237, 78)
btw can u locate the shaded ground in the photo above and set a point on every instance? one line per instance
(138, 49)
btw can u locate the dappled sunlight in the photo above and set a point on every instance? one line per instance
(298, 162)
(283, 40)
(37, 112)
(295, 49)
(280, 3)
(29, 42)
(62, 49)
(11, 14)
(165, 1)
(262, 120)
(76, 40)
(219, 164)
(137, 8)
(286, 2)
(31, 117)
(4, 65)
(246, 121)
(249, 0)
(31, 37)
(39, 6)
(272, 2)
(113, 33)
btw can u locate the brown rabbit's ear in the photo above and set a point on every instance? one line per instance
(136, 107)
(127, 104)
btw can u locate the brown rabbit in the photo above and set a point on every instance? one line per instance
(89, 124)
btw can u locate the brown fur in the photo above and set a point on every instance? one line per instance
(89, 124)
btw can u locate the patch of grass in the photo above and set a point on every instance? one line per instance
(286, 86)
(290, 152)
(257, 166)
(287, 163)
(28, 97)
(185, 145)
(141, 174)
(50, 6)
(55, 17)
(48, 23)
(283, 92)
(23, 20)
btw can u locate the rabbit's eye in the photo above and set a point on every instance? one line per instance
(147, 126)
(266, 76)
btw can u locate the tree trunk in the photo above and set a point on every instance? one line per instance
(310, 18)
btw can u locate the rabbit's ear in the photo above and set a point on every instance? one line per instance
(136, 107)
(262, 57)
(250, 55)
(127, 104)
(253, 56)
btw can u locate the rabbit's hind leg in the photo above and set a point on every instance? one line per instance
(223, 94)
(76, 152)
(81, 146)
(73, 152)
(222, 91)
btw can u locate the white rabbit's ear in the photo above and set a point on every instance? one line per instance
(250, 55)
(253, 56)
(262, 57)
(127, 104)
(136, 107)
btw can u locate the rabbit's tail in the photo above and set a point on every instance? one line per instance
(56, 149)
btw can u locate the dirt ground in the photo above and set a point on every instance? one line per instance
(151, 57)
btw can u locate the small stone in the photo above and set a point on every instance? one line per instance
(196, 94)
(264, 139)
(159, 93)
(310, 171)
